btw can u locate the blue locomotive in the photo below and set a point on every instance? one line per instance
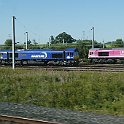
(69, 56)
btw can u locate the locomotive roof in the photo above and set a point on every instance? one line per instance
(107, 49)
(35, 50)
(38, 50)
(47, 50)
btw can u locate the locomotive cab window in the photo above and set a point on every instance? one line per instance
(57, 55)
(70, 54)
(103, 53)
(91, 53)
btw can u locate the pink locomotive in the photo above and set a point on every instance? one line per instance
(106, 55)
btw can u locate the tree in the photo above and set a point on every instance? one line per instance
(64, 37)
(34, 42)
(8, 42)
(118, 43)
(29, 42)
(83, 47)
(98, 45)
(52, 40)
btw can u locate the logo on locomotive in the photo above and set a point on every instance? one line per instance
(41, 55)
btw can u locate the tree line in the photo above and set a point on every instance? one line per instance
(64, 40)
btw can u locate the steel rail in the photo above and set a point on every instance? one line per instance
(85, 68)
(103, 68)
(22, 120)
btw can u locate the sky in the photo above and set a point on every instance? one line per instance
(43, 18)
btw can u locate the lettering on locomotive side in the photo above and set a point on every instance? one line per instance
(37, 56)
(42, 55)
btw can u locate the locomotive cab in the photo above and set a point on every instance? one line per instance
(72, 56)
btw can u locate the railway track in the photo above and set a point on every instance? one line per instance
(97, 67)
(100, 67)
(21, 120)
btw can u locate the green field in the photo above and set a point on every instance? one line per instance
(101, 92)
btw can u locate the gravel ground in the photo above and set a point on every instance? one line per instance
(56, 115)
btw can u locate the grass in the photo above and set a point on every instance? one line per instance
(101, 92)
